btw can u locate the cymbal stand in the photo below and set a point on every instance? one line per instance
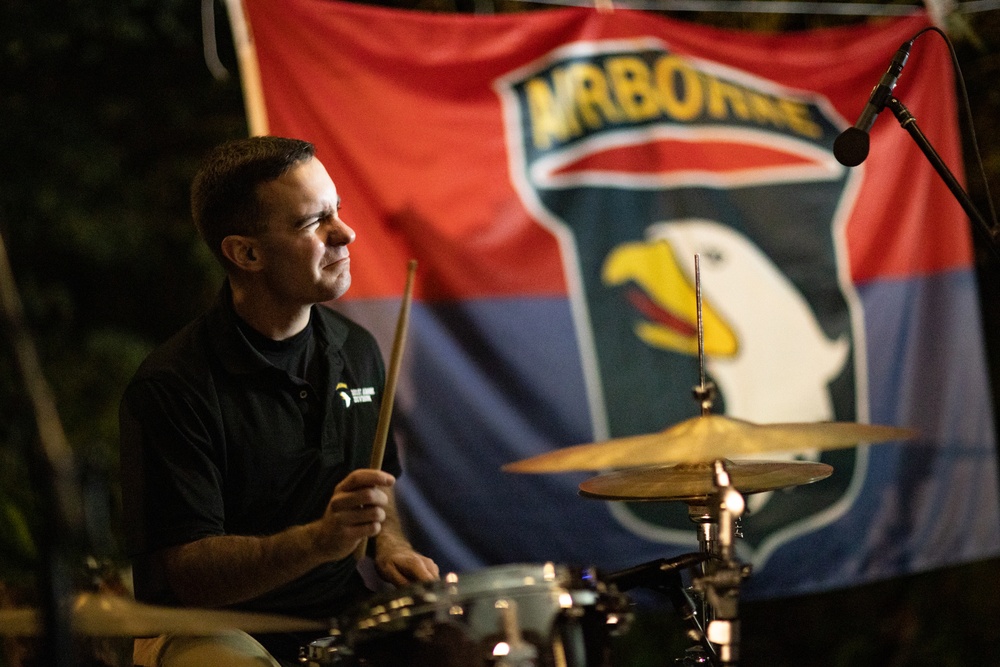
(719, 584)
(663, 576)
(721, 574)
(704, 392)
(708, 536)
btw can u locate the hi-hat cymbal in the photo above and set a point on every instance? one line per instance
(104, 615)
(696, 481)
(708, 438)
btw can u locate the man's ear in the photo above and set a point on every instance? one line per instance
(242, 251)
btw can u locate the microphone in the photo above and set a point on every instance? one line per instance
(851, 147)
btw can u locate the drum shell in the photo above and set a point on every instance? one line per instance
(540, 614)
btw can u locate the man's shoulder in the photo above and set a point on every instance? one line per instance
(184, 355)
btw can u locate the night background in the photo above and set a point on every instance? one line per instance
(106, 108)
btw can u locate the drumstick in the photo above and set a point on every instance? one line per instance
(389, 393)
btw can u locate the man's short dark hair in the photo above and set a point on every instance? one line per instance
(224, 191)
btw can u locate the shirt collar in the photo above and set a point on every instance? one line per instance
(237, 354)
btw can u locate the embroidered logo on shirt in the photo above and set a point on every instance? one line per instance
(353, 395)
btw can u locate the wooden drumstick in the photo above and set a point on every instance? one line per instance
(389, 393)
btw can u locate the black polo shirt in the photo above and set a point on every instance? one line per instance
(215, 440)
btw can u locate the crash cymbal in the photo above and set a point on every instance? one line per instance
(104, 615)
(696, 481)
(708, 438)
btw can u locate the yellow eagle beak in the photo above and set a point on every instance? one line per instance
(666, 299)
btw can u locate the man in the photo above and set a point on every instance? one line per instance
(244, 449)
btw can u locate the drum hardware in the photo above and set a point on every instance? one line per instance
(663, 576)
(719, 583)
(514, 651)
(325, 651)
(709, 607)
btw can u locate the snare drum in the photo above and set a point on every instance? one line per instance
(543, 615)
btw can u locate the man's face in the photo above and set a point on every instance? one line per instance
(304, 248)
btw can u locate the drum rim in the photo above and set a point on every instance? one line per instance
(385, 610)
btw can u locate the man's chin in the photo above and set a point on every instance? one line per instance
(337, 288)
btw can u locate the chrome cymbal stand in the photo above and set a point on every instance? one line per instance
(718, 584)
(664, 576)
(708, 535)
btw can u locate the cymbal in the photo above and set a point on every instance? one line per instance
(696, 481)
(104, 615)
(708, 438)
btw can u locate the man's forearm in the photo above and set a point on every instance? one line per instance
(228, 569)
(392, 536)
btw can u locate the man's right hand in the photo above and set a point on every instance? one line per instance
(227, 569)
(355, 512)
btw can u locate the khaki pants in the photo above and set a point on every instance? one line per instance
(230, 649)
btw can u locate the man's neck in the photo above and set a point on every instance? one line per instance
(276, 321)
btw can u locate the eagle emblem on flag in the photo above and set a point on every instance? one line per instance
(638, 159)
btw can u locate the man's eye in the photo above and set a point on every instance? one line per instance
(713, 255)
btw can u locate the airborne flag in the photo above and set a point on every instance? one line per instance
(555, 173)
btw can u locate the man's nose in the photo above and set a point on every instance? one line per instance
(340, 233)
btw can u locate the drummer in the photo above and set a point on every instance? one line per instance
(246, 438)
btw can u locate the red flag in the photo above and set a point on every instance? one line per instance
(546, 167)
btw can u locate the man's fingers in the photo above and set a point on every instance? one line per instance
(363, 531)
(410, 569)
(359, 499)
(358, 516)
(365, 478)
(424, 569)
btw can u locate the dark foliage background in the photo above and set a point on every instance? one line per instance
(106, 106)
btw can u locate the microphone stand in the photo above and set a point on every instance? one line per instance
(53, 472)
(909, 123)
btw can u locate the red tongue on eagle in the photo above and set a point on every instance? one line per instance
(649, 308)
